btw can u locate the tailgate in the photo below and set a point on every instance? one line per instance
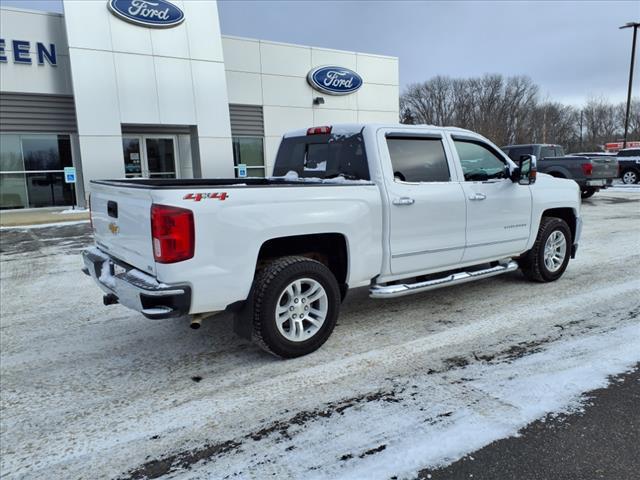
(604, 167)
(121, 218)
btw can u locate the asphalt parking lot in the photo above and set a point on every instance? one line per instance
(405, 388)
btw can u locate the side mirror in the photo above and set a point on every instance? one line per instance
(527, 167)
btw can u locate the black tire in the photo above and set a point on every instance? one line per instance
(532, 263)
(630, 176)
(587, 192)
(269, 285)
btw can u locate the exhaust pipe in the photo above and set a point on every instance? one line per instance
(197, 318)
(196, 321)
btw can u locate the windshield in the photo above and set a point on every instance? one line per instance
(323, 156)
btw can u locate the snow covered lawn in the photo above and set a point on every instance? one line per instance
(91, 391)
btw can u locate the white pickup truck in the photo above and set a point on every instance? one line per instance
(398, 209)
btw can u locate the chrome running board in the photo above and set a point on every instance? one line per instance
(401, 289)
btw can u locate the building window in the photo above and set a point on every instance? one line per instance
(31, 171)
(249, 151)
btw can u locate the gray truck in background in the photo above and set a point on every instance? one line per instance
(590, 173)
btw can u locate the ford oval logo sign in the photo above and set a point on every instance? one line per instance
(148, 13)
(334, 80)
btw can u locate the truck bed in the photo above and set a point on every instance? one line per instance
(174, 183)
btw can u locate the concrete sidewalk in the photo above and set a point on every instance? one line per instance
(40, 216)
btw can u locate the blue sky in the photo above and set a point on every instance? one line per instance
(573, 50)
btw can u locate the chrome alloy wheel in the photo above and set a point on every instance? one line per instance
(630, 177)
(301, 309)
(555, 251)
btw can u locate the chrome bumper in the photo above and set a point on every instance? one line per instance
(135, 289)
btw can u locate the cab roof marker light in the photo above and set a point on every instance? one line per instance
(319, 130)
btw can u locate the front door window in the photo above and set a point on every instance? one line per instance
(149, 157)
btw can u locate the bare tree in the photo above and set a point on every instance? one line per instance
(509, 110)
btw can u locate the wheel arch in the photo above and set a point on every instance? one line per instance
(565, 213)
(330, 249)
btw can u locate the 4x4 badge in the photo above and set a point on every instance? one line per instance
(196, 197)
(113, 228)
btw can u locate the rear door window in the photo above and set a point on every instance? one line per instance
(546, 152)
(323, 156)
(418, 160)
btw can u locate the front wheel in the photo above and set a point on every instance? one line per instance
(630, 177)
(549, 257)
(587, 192)
(296, 306)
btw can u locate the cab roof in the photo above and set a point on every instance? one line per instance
(357, 127)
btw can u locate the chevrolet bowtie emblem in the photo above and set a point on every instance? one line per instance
(115, 229)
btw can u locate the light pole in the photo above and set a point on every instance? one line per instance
(635, 26)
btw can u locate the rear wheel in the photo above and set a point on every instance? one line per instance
(630, 176)
(549, 257)
(587, 192)
(296, 306)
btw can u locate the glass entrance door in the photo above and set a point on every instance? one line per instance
(161, 157)
(147, 156)
(132, 157)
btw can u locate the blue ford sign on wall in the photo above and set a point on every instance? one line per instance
(334, 80)
(148, 13)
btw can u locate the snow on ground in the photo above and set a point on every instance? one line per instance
(618, 186)
(72, 210)
(621, 187)
(45, 225)
(401, 385)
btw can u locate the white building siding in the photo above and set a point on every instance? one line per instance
(127, 74)
(167, 78)
(274, 75)
(34, 27)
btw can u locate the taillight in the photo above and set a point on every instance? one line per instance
(587, 168)
(319, 130)
(173, 233)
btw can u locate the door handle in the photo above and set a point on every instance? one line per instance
(477, 196)
(403, 201)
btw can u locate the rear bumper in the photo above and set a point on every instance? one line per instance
(597, 183)
(135, 289)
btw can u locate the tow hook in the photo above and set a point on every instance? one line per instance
(109, 299)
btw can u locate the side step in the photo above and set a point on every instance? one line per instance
(401, 289)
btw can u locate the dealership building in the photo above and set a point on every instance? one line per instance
(151, 89)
